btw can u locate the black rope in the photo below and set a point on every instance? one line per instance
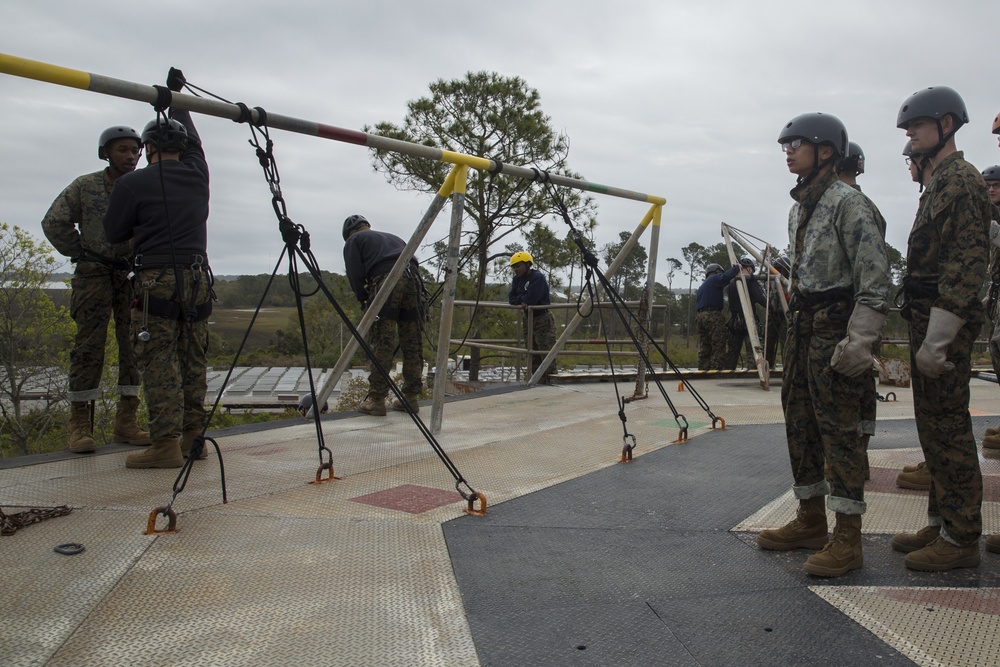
(297, 248)
(627, 316)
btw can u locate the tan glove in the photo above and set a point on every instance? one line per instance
(853, 355)
(932, 357)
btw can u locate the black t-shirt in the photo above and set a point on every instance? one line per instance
(136, 208)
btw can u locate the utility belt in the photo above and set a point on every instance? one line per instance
(388, 311)
(195, 262)
(815, 301)
(116, 264)
(920, 289)
(171, 310)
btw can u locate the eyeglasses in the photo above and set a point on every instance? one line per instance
(791, 145)
(993, 185)
(909, 161)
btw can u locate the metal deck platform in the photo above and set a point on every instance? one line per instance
(581, 560)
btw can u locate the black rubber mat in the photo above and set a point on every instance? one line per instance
(636, 565)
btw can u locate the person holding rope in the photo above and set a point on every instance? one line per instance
(710, 322)
(840, 284)
(530, 288)
(163, 210)
(100, 291)
(369, 257)
(739, 339)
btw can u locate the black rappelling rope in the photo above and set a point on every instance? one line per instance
(626, 315)
(297, 247)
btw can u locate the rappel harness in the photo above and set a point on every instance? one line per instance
(297, 248)
(625, 315)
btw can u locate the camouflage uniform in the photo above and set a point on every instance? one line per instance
(777, 326)
(712, 338)
(100, 289)
(710, 320)
(946, 265)
(838, 259)
(869, 401)
(543, 337)
(993, 312)
(174, 358)
(400, 315)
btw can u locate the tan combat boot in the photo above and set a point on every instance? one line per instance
(127, 429)
(187, 441)
(941, 555)
(81, 435)
(914, 468)
(163, 453)
(807, 530)
(993, 543)
(910, 542)
(992, 438)
(413, 400)
(918, 480)
(373, 405)
(842, 553)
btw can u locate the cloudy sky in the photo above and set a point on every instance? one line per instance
(678, 99)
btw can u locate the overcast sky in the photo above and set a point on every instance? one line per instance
(678, 99)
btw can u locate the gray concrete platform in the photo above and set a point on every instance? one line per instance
(580, 559)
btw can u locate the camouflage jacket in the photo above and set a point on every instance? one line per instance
(74, 222)
(837, 244)
(994, 250)
(948, 245)
(879, 220)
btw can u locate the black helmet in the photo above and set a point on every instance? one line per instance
(353, 222)
(992, 173)
(782, 265)
(165, 134)
(935, 102)
(747, 262)
(713, 268)
(854, 160)
(816, 128)
(112, 133)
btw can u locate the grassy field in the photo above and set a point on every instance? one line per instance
(231, 324)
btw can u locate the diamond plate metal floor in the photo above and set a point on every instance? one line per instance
(580, 559)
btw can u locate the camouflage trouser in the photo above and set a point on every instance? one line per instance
(98, 294)
(543, 337)
(777, 328)
(712, 337)
(738, 342)
(822, 410)
(944, 427)
(174, 359)
(869, 401)
(992, 325)
(400, 316)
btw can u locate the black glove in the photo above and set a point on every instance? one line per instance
(175, 79)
